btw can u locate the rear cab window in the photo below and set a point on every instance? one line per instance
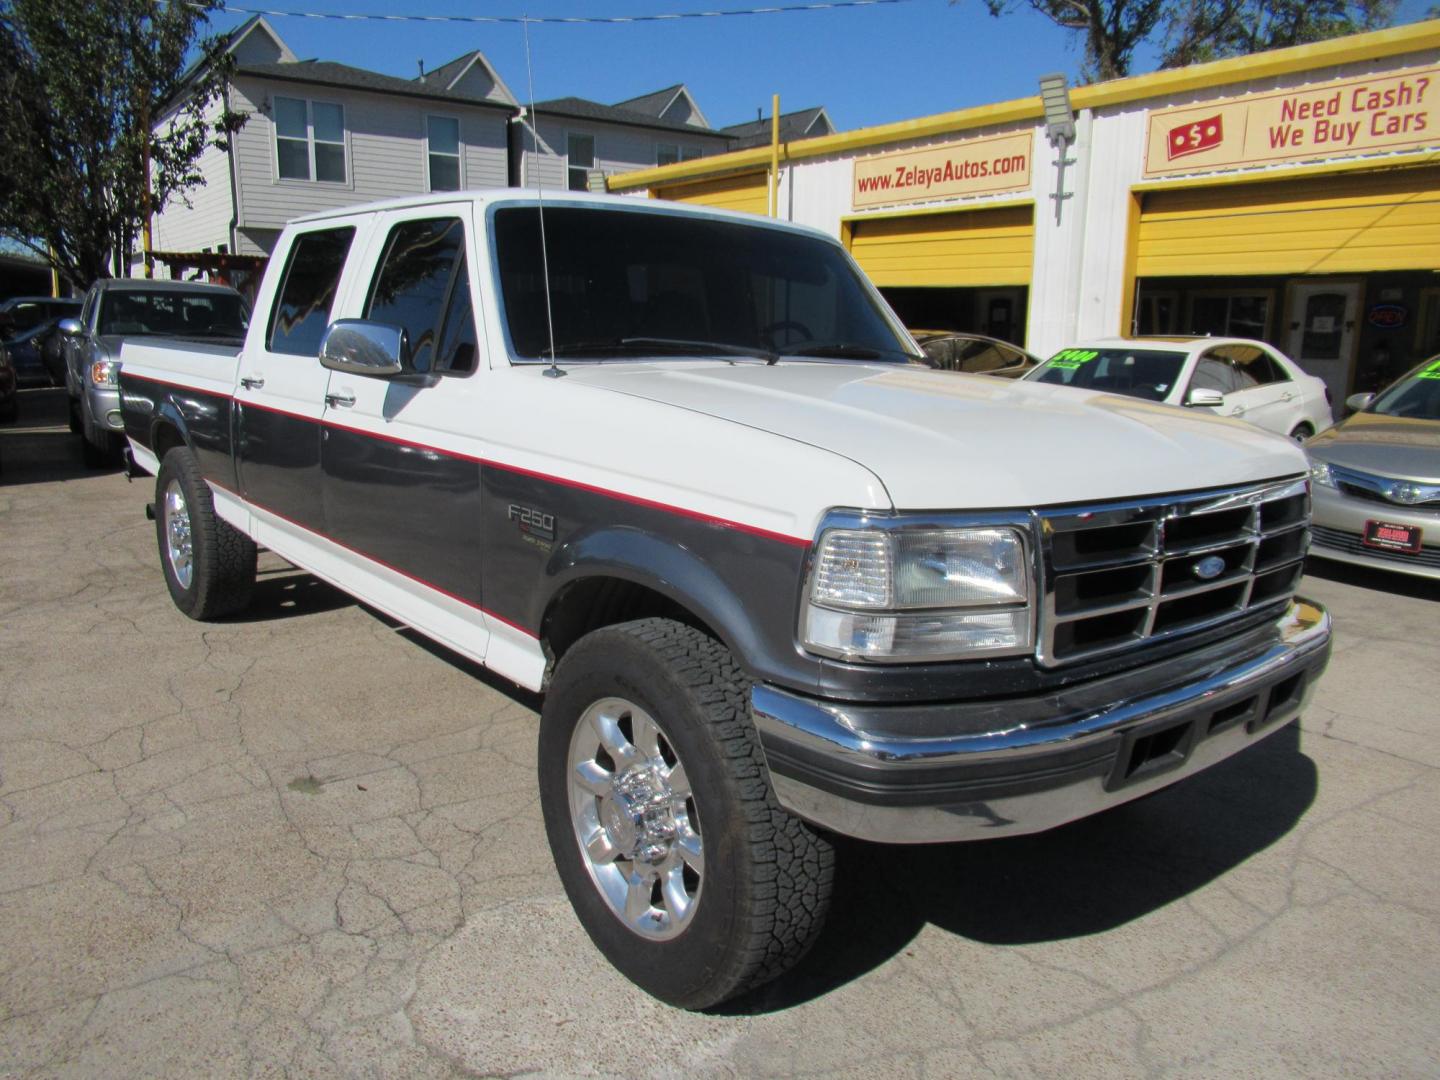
(301, 313)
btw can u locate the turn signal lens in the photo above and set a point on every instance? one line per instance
(104, 373)
(1320, 474)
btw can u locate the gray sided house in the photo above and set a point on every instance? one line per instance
(322, 135)
(567, 138)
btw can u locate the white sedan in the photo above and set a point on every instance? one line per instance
(1235, 377)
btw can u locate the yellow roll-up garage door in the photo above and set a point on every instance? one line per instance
(1348, 223)
(750, 191)
(972, 248)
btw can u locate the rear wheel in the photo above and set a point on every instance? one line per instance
(680, 864)
(209, 565)
(1302, 432)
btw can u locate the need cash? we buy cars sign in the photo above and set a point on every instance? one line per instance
(1384, 111)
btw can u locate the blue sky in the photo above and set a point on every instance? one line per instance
(866, 65)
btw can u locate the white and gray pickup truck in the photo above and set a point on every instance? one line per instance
(681, 471)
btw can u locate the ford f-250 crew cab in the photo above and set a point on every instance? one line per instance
(678, 470)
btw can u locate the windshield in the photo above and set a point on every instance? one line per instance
(626, 282)
(1415, 395)
(1143, 373)
(173, 313)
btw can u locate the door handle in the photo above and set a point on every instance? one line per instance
(1287, 396)
(252, 382)
(340, 400)
(1238, 410)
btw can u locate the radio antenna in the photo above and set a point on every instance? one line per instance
(553, 371)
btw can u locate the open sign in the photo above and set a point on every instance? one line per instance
(1388, 316)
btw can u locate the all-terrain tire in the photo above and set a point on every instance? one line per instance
(762, 896)
(218, 576)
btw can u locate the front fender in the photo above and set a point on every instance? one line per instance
(753, 627)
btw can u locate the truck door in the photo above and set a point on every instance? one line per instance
(401, 458)
(280, 398)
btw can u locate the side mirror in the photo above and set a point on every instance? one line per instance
(1359, 401)
(1204, 398)
(362, 347)
(69, 327)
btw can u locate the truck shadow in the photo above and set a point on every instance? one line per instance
(1077, 881)
(287, 593)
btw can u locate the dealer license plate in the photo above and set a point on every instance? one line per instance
(1382, 534)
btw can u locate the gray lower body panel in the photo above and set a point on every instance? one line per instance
(967, 771)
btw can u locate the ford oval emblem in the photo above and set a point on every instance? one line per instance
(1209, 568)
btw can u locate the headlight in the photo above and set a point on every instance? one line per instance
(105, 372)
(918, 594)
(1320, 474)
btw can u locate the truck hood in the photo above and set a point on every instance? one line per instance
(939, 440)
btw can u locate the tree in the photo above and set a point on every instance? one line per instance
(1203, 30)
(82, 86)
(1190, 31)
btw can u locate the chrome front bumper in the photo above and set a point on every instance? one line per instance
(969, 771)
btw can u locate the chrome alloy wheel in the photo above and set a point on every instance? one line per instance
(635, 819)
(179, 544)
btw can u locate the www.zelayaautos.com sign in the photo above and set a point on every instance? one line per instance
(1384, 111)
(971, 167)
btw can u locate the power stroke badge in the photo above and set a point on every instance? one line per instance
(536, 526)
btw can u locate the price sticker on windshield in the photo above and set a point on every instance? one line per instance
(1071, 359)
(1430, 370)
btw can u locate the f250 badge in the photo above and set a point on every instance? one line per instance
(533, 522)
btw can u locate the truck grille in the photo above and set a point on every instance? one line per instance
(1121, 574)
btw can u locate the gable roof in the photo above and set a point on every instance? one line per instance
(258, 23)
(448, 74)
(580, 109)
(343, 76)
(793, 125)
(656, 104)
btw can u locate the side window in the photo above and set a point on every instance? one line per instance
(423, 286)
(442, 135)
(988, 356)
(1213, 373)
(302, 309)
(1255, 367)
(580, 157)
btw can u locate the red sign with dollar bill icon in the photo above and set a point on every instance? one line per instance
(1194, 137)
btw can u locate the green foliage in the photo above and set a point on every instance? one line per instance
(86, 89)
(1111, 29)
(1201, 30)
(1192, 31)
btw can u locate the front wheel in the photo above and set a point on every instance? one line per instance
(1301, 433)
(209, 564)
(680, 864)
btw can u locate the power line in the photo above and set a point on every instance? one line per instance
(831, 5)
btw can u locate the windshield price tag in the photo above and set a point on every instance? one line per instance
(1070, 359)
(1430, 370)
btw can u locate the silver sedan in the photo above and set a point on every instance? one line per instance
(1376, 479)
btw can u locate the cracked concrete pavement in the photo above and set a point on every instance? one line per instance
(303, 842)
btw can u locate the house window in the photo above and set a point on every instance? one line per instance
(443, 134)
(310, 140)
(580, 150)
(670, 153)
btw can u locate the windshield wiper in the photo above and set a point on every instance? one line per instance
(844, 350)
(699, 347)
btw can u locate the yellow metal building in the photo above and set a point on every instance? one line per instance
(1292, 196)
